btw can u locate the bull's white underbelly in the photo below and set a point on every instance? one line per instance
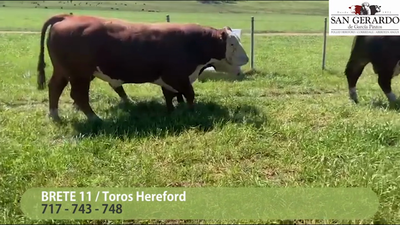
(113, 82)
(117, 83)
(193, 77)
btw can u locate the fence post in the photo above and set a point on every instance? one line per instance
(168, 18)
(324, 47)
(252, 44)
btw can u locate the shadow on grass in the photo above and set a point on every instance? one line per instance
(151, 118)
(216, 76)
(384, 104)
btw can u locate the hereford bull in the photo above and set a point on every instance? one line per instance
(383, 52)
(167, 54)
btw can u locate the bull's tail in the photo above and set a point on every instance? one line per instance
(41, 77)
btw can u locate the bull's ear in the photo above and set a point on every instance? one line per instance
(224, 35)
(228, 28)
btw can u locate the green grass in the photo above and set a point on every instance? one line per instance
(290, 124)
(269, 16)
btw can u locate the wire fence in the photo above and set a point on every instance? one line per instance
(252, 31)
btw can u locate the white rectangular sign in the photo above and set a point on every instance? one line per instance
(238, 32)
(364, 17)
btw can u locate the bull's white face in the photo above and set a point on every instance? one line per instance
(235, 53)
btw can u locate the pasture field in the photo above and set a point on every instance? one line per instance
(269, 16)
(288, 124)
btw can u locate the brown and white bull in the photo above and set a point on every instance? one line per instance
(118, 52)
(383, 52)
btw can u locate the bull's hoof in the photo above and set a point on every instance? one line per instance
(392, 105)
(170, 109)
(56, 120)
(126, 101)
(179, 98)
(53, 115)
(95, 119)
(191, 107)
(354, 99)
(41, 87)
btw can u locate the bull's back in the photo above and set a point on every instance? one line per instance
(161, 39)
(76, 36)
(381, 48)
(148, 43)
(121, 48)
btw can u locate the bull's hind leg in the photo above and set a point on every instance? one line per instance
(179, 98)
(119, 90)
(189, 94)
(122, 94)
(185, 88)
(76, 107)
(354, 69)
(80, 94)
(385, 82)
(56, 85)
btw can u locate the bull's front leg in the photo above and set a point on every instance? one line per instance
(184, 87)
(179, 97)
(168, 95)
(187, 90)
(122, 94)
(385, 82)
